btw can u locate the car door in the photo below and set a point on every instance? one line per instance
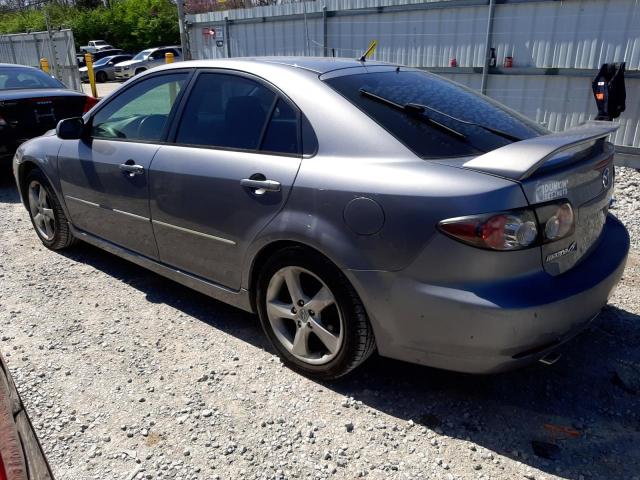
(105, 176)
(236, 155)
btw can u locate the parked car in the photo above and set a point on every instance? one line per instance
(100, 55)
(352, 205)
(32, 102)
(95, 46)
(21, 455)
(145, 60)
(104, 69)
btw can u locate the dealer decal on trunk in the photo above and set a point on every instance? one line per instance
(546, 191)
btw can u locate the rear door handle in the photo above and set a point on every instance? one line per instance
(265, 185)
(131, 168)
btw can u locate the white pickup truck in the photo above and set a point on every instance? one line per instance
(95, 46)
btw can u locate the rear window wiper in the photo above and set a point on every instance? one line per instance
(419, 108)
(413, 109)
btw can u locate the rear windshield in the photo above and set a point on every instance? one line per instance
(444, 136)
(16, 78)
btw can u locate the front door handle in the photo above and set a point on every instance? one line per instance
(260, 186)
(131, 169)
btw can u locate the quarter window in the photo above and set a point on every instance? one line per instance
(140, 112)
(230, 111)
(282, 132)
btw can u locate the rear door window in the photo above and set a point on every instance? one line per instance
(444, 100)
(231, 111)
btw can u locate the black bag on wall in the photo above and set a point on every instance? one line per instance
(609, 91)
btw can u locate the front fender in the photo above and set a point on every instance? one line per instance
(42, 153)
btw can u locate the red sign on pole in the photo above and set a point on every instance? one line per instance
(209, 32)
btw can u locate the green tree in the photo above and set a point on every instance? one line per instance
(129, 24)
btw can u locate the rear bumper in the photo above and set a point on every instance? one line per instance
(491, 327)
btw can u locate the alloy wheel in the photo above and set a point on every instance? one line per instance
(41, 210)
(304, 315)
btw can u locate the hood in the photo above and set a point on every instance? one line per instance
(128, 63)
(83, 69)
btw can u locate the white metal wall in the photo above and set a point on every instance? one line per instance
(578, 35)
(58, 47)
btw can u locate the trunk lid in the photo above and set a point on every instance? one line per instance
(574, 166)
(30, 113)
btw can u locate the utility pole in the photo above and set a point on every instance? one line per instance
(184, 38)
(52, 46)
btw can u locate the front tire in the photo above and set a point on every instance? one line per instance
(101, 77)
(312, 315)
(46, 213)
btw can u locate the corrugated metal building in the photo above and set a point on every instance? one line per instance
(556, 47)
(57, 46)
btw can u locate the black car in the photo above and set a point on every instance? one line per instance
(107, 52)
(32, 102)
(21, 455)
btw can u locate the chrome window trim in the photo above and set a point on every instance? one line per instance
(194, 232)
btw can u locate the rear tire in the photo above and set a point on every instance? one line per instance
(46, 213)
(325, 333)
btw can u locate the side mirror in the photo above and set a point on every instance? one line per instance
(110, 63)
(70, 128)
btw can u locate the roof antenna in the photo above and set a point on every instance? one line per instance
(369, 51)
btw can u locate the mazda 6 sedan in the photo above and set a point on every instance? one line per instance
(354, 206)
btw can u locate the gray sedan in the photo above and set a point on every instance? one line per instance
(104, 69)
(353, 206)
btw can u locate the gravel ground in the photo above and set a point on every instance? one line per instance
(627, 205)
(127, 375)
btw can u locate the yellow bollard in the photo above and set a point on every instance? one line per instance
(92, 78)
(44, 65)
(168, 57)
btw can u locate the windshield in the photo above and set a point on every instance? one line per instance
(449, 105)
(142, 55)
(16, 78)
(103, 61)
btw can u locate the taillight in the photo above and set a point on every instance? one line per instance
(89, 103)
(560, 224)
(501, 231)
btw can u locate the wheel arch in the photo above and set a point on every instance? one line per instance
(24, 169)
(26, 166)
(260, 258)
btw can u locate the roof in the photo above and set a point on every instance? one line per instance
(5, 65)
(317, 64)
(260, 65)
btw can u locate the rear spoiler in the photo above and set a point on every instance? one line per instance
(519, 160)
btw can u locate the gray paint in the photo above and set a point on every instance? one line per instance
(430, 299)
